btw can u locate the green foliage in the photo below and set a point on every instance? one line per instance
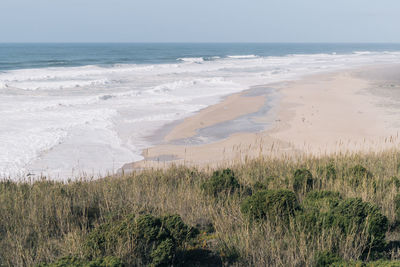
(270, 204)
(328, 171)
(141, 240)
(359, 171)
(258, 186)
(326, 258)
(84, 215)
(222, 182)
(205, 226)
(302, 181)
(322, 201)
(164, 253)
(358, 174)
(352, 217)
(394, 180)
(229, 253)
(355, 216)
(383, 263)
(347, 264)
(177, 229)
(77, 262)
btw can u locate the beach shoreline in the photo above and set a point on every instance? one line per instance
(321, 114)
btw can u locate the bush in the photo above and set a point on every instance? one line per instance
(140, 240)
(325, 258)
(355, 216)
(270, 204)
(351, 217)
(302, 181)
(358, 174)
(163, 254)
(322, 201)
(221, 182)
(177, 229)
(315, 210)
(76, 262)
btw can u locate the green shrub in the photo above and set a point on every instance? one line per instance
(355, 216)
(358, 174)
(164, 253)
(322, 201)
(76, 262)
(270, 204)
(315, 210)
(177, 229)
(326, 211)
(326, 258)
(221, 182)
(98, 240)
(302, 181)
(140, 240)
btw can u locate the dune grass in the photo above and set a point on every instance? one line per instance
(44, 221)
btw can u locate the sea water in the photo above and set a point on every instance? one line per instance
(73, 109)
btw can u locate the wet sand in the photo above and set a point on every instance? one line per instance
(344, 111)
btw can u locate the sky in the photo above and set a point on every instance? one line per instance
(199, 21)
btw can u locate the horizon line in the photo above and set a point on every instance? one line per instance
(201, 42)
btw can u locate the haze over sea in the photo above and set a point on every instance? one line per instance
(68, 109)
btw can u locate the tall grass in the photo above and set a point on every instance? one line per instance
(45, 220)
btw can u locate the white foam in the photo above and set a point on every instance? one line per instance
(242, 56)
(94, 119)
(362, 53)
(192, 59)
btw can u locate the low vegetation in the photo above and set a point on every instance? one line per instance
(333, 211)
(273, 205)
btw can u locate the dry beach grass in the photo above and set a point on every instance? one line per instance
(46, 220)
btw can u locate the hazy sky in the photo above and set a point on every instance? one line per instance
(200, 21)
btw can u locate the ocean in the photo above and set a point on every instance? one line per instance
(86, 109)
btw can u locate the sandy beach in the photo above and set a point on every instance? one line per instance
(337, 112)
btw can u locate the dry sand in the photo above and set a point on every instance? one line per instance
(321, 114)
